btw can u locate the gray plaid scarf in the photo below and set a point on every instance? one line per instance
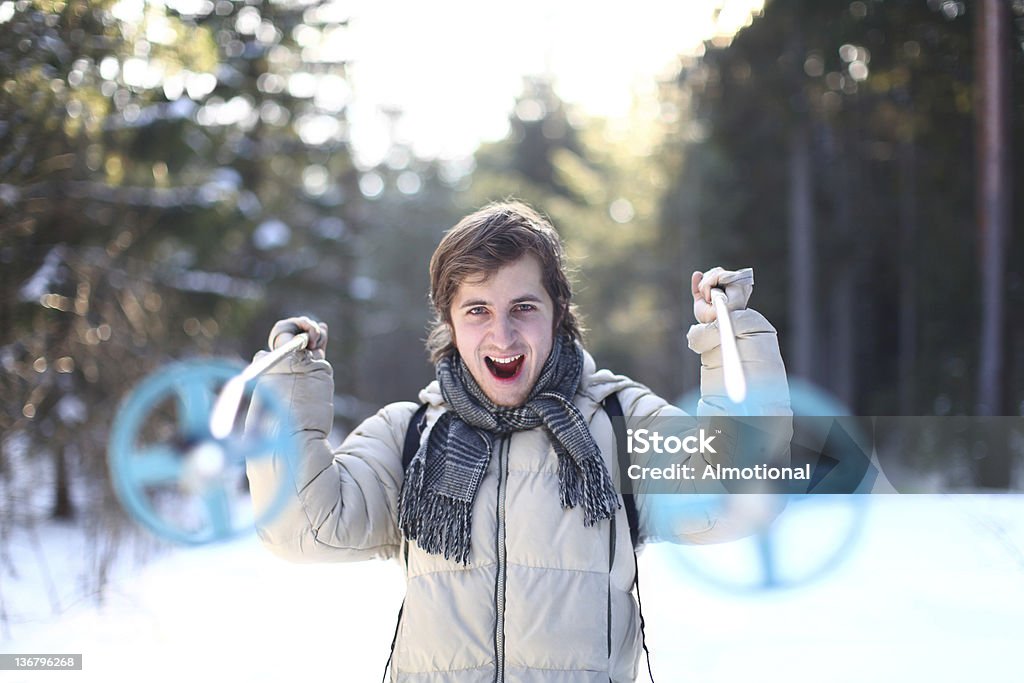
(436, 502)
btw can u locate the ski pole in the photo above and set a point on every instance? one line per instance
(735, 382)
(225, 409)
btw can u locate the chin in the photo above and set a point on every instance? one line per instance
(508, 401)
(504, 396)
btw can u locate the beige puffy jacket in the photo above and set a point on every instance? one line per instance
(544, 599)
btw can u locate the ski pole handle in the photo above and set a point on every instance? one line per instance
(225, 409)
(735, 382)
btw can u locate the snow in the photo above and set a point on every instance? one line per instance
(223, 612)
(932, 588)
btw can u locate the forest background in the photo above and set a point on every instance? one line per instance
(175, 179)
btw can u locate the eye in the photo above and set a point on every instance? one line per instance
(523, 308)
(476, 310)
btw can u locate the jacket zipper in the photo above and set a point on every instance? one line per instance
(499, 584)
(611, 564)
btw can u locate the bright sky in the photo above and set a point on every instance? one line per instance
(454, 67)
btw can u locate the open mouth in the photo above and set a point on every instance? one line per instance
(505, 368)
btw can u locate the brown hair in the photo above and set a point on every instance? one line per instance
(481, 243)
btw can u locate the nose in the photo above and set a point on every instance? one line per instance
(503, 331)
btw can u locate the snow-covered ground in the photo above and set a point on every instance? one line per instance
(932, 589)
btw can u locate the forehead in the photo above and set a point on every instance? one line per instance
(518, 278)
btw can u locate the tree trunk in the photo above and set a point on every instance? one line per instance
(991, 78)
(62, 506)
(802, 304)
(907, 306)
(843, 187)
(993, 198)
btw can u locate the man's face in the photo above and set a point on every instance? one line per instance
(503, 329)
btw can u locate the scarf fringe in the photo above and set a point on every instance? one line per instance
(443, 527)
(587, 484)
(412, 488)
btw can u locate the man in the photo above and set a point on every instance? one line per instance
(508, 518)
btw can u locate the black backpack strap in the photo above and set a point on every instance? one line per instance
(640, 609)
(412, 435)
(394, 639)
(409, 448)
(613, 408)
